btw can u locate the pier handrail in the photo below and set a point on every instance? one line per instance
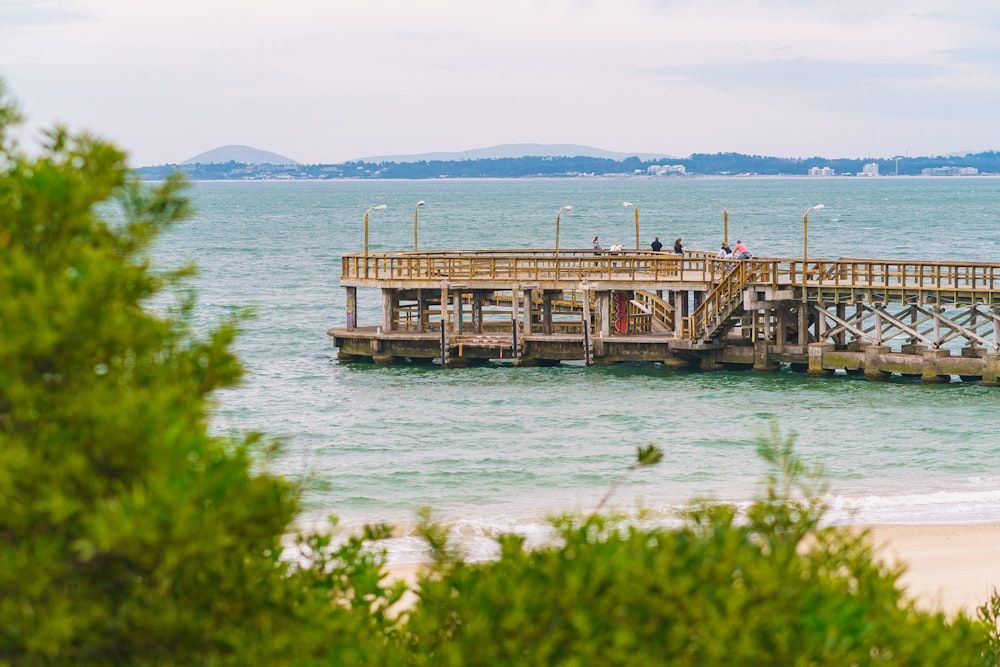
(661, 310)
(533, 265)
(644, 267)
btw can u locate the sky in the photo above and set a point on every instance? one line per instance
(326, 81)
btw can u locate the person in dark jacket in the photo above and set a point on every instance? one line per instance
(656, 245)
(678, 248)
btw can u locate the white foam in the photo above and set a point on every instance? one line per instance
(937, 507)
(476, 537)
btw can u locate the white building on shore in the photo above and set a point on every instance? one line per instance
(950, 171)
(666, 169)
(870, 169)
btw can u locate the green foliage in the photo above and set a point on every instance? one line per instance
(989, 614)
(128, 533)
(770, 587)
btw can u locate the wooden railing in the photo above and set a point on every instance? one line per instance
(634, 266)
(661, 311)
(525, 266)
(724, 280)
(896, 273)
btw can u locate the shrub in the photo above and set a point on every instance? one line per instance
(768, 587)
(128, 533)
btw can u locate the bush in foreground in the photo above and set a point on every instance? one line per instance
(128, 534)
(771, 587)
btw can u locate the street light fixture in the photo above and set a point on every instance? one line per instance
(628, 203)
(725, 224)
(380, 207)
(805, 244)
(558, 213)
(419, 204)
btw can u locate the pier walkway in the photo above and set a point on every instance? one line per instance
(935, 320)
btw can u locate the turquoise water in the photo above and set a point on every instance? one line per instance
(502, 447)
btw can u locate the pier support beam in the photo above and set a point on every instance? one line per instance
(678, 363)
(873, 361)
(421, 311)
(680, 311)
(803, 324)
(991, 370)
(514, 308)
(817, 351)
(761, 358)
(388, 308)
(547, 312)
(352, 307)
(710, 362)
(973, 351)
(383, 359)
(929, 367)
(841, 338)
(477, 312)
(457, 310)
(781, 329)
(603, 302)
(444, 306)
(527, 311)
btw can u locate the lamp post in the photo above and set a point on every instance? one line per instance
(558, 213)
(628, 203)
(416, 208)
(380, 207)
(805, 244)
(725, 223)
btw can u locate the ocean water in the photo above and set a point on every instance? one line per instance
(502, 448)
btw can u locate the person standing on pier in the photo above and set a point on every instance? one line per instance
(656, 245)
(725, 252)
(741, 251)
(678, 248)
(597, 244)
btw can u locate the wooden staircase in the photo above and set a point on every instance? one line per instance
(710, 319)
(661, 310)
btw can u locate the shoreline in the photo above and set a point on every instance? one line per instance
(950, 568)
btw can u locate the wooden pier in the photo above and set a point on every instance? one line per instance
(933, 320)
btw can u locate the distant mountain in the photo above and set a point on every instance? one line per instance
(515, 151)
(238, 154)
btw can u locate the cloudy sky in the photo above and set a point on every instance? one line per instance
(331, 80)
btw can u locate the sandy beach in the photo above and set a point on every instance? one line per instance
(950, 568)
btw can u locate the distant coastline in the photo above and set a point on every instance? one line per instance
(623, 177)
(698, 165)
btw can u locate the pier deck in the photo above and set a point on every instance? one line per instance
(543, 307)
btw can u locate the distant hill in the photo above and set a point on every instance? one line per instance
(515, 151)
(240, 155)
